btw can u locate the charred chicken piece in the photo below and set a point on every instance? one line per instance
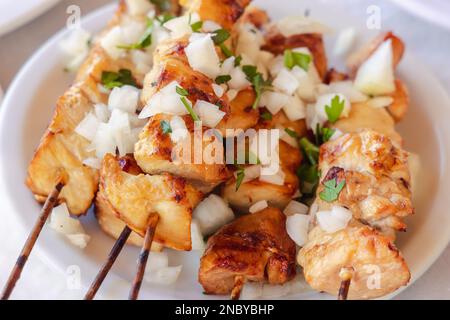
(135, 197)
(255, 247)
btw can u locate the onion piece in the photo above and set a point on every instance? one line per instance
(250, 173)
(297, 227)
(295, 109)
(286, 82)
(238, 79)
(277, 178)
(111, 41)
(202, 56)
(273, 101)
(306, 83)
(124, 98)
(295, 25)
(334, 220)
(219, 90)
(212, 213)
(376, 75)
(232, 94)
(295, 207)
(179, 129)
(167, 100)
(380, 102)
(347, 89)
(139, 7)
(87, 128)
(325, 100)
(198, 244)
(209, 113)
(258, 206)
(63, 223)
(210, 26)
(101, 112)
(181, 26)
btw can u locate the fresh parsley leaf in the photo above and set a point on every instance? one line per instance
(237, 61)
(220, 36)
(291, 133)
(225, 50)
(240, 175)
(310, 150)
(257, 81)
(163, 5)
(197, 26)
(189, 109)
(266, 115)
(182, 92)
(334, 111)
(145, 40)
(332, 190)
(165, 126)
(111, 79)
(309, 179)
(292, 59)
(223, 79)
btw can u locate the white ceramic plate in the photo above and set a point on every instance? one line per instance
(14, 14)
(435, 11)
(29, 104)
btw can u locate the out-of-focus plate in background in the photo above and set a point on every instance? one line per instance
(435, 11)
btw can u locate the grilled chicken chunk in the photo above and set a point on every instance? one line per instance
(255, 247)
(378, 267)
(224, 12)
(109, 222)
(255, 190)
(376, 174)
(61, 150)
(136, 197)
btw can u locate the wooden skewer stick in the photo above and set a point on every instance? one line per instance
(115, 251)
(52, 199)
(143, 256)
(239, 282)
(346, 275)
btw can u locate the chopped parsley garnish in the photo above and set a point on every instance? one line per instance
(112, 79)
(334, 111)
(327, 133)
(292, 59)
(240, 175)
(225, 50)
(223, 79)
(220, 36)
(310, 150)
(237, 61)
(266, 115)
(332, 190)
(145, 40)
(257, 81)
(197, 26)
(182, 92)
(163, 18)
(291, 133)
(165, 127)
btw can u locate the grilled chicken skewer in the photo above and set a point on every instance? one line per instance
(377, 192)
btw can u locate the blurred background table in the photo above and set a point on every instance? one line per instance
(427, 41)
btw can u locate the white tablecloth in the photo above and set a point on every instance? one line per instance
(428, 42)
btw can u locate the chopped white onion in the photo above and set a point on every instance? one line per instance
(295, 109)
(380, 102)
(212, 213)
(227, 66)
(276, 65)
(62, 222)
(124, 98)
(167, 100)
(249, 41)
(250, 173)
(163, 276)
(286, 82)
(297, 226)
(345, 41)
(219, 90)
(139, 7)
(119, 124)
(87, 128)
(294, 25)
(111, 41)
(142, 60)
(181, 26)
(347, 89)
(273, 101)
(202, 56)
(238, 79)
(209, 113)
(334, 220)
(104, 141)
(232, 94)
(295, 207)
(306, 82)
(101, 112)
(376, 75)
(284, 136)
(76, 48)
(198, 244)
(210, 26)
(258, 206)
(179, 129)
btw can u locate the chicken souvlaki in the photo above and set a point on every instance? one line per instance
(229, 125)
